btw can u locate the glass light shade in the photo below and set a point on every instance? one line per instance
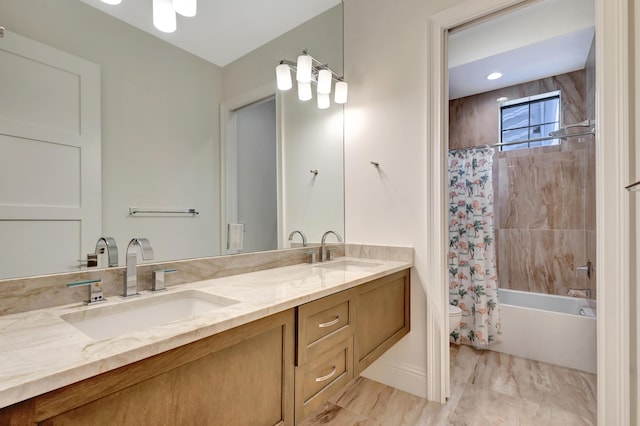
(304, 91)
(324, 81)
(324, 100)
(164, 17)
(283, 77)
(112, 2)
(342, 90)
(186, 8)
(304, 64)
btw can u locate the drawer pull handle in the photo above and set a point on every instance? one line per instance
(328, 376)
(330, 323)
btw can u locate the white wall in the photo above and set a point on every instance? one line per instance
(312, 139)
(386, 65)
(159, 123)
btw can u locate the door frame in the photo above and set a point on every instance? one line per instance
(612, 200)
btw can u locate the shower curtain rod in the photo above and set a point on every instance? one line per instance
(558, 134)
(547, 138)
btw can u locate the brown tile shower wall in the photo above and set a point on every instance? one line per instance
(542, 195)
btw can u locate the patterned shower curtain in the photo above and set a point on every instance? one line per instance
(472, 269)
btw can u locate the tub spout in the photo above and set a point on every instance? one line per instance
(587, 269)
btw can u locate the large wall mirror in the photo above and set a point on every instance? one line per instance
(159, 143)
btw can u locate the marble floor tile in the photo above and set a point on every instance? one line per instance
(487, 388)
(384, 404)
(538, 382)
(335, 415)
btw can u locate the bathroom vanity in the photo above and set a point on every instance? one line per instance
(296, 336)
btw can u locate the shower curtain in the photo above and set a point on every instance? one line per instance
(472, 270)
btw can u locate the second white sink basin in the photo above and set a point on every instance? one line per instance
(348, 265)
(144, 312)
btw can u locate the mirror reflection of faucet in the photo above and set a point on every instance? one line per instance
(325, 254)
(110, 245)
(130, 274)
(304, 238)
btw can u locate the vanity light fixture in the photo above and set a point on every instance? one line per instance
(324, 100)
(304, 91)
(283, 77)
(324, 82)
(310, 71)
(164, 16)
(342, 90)
(164, 12)
(304, 71)
(494, 76)
(186, 8)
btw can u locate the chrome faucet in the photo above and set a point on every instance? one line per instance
(130, 274)
(322, 257)
(304, 238)
(112, 250)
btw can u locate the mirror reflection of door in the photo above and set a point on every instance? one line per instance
(50, 192)
(252, 186)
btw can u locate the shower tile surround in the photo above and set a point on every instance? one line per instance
(544, 197)
(25, 294)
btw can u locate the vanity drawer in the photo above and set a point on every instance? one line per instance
(322, 377)
(322, 324)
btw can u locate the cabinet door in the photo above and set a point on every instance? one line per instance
(240, 377)
(381, 317)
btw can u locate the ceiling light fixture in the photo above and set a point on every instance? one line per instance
(502, 99)
(112, 2)
(311, 71)
(494, 76)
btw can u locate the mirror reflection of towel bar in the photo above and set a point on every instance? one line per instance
(136, 210)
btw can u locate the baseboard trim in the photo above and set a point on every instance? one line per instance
(406, 377)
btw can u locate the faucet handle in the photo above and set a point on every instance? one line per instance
(329, 252)
(95, 290)
(311, 256)
(158, 279)
(91, 262)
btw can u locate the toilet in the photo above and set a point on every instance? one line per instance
(455, 314)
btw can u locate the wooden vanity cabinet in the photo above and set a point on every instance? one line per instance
(340, 335)
(273, 371)
(382, 317)
(243, 376)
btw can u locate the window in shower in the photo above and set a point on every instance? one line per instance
(529, 120)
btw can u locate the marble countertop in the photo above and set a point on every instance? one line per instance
(41, 352)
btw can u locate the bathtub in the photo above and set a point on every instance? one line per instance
(558, 330)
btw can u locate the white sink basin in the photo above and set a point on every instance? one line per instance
(144, 312)
(348, 265)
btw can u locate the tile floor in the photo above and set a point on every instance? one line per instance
(487, 388)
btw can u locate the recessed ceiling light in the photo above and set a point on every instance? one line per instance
(494, 76)
(502, 99)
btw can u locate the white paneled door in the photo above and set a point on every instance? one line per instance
(50, 175)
